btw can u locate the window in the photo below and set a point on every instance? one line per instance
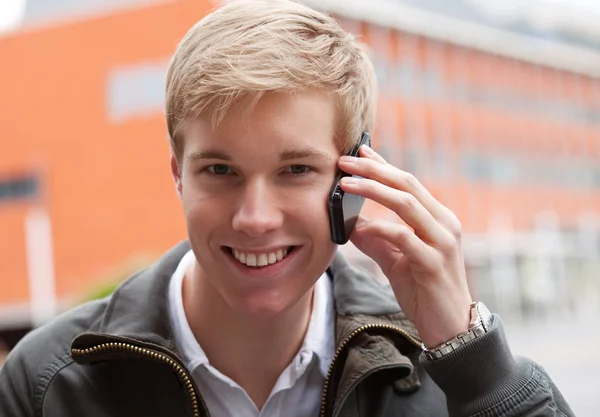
(136, 91)
(44, 11)
(18, 187)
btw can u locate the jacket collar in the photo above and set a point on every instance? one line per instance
(367, 315)
(138, 308)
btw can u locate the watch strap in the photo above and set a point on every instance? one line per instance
(480, 324)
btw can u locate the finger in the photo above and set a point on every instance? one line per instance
(374, 166)
(405, 205)
(368, 152)
(384, 253)
(401, 238)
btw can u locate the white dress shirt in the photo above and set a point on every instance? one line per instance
(297, 392)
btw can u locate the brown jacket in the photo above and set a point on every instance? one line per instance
(117, 357)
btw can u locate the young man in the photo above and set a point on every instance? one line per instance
(258, 315)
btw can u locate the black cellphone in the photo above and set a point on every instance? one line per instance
(345, 207)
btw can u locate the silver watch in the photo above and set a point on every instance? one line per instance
(481, 321)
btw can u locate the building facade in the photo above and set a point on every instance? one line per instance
(503, 132)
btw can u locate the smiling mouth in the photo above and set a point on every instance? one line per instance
(260, 260)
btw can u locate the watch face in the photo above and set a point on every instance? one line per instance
(485, 316)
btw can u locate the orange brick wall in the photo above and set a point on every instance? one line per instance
(107, 186)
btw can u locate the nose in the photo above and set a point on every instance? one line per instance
(258, 211)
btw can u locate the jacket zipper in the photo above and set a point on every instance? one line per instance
(147, 353)
(187, 381)
(343, 346)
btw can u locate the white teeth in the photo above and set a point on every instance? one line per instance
(262, 259)
(251, 259)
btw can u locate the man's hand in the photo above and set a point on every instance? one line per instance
(420, 253)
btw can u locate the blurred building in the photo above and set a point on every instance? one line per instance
(503, 127)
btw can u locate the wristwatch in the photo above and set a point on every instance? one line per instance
(481, 321)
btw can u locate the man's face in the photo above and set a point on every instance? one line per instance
(254, 192)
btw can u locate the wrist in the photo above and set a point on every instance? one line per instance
(479, 324)
(447, 328)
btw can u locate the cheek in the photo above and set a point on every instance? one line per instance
(203, 212)
(310, 208)
(198, 196)
(312, 197)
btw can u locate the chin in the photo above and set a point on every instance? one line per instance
(263, 305)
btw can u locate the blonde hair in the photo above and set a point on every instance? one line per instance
(251, 47)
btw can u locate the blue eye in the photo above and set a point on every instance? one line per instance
(299, 169)
(219, 169)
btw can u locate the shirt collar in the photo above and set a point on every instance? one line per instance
(319, 338)
(190, 349)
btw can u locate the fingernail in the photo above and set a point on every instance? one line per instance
(367, 150)
(348, 159)
(349, 180)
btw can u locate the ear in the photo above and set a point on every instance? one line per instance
(176, 172)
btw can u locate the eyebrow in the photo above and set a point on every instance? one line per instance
(304, 153)
(283, 156)
(209, 154)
